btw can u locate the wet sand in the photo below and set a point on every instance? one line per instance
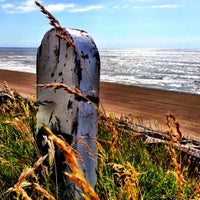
(151, 105)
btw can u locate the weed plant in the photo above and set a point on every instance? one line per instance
(149, 168)
(133, 169)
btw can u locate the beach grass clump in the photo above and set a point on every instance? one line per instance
(18, 149)
(128, 166)
(149, 169)
(30, 175)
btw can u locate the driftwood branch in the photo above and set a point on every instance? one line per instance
(188, 146)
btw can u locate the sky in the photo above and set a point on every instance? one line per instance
(111, 23)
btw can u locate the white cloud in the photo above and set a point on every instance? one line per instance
(137, 7)
(116, 6)
(144, 0)
(26, 6)
(29, 6)
(126, 6)
(7, 6)
(121, 6)
(166, 6)
(86, 9)
(59, 7)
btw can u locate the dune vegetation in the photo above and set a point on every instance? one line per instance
(133, 161)
(131, 165)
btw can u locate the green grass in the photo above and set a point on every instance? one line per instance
(128, 168)
(156, 179)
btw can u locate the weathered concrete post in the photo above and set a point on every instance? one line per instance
(57, 62)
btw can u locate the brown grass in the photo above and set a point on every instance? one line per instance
(125, 174)
(76, 176)
(127, 177)
(176, 159)
(68, 89)
(22, 183)
(64, 35)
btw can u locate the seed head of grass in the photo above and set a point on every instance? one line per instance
(176, 160)
(63, 34)
(76, 176)
(127, 178)
(18, 187)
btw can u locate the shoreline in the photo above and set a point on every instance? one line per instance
(150, 105)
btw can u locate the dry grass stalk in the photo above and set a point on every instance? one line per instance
(77, 176)
(29, 171)
(114, 146)
(127, 177)
(23, 128)
(5, 162)
(101, 156)
(18, 187)
(43, 192)
(14, 105)
(7, 90)
(51, 150)
(68, 89)
(176, 160)
(198, 192)
(55, 23)
(82, 141)
(21, 192)
(25, 132)
(85, 197)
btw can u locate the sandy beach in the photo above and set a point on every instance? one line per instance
(150, 105)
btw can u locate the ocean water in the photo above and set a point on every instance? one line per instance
(18, 59)
(167, 69)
